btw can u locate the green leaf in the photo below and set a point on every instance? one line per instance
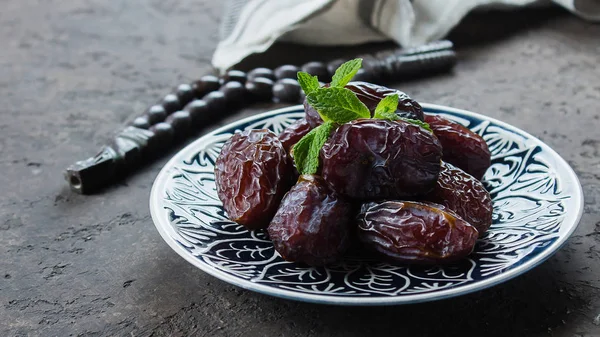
(306, 151)
(386, 108)
(417, 122)
(338, 105)
(387, 115)
(345, 72)
(307, 82)
(301, 149)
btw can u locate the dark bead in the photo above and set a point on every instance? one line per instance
(216, 101)
(235, 76)
(235, 93)
(333, 65)
(162, 138)
(362, 75)
(206, 84)
(260, 88)
(171, 103)
(261, 72)
(199, 111)
(318, 69)
(287, 90)
(181, 121)
(141, 122)
(286, 71)
(185, 93)
(156, 114)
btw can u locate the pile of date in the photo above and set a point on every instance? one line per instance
(390, 189)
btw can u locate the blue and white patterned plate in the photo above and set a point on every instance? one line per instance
(537, 204)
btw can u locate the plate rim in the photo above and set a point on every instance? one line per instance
(574, 220)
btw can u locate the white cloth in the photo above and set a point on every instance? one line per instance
(252, 26)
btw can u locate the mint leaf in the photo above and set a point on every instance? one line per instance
(301, 149)
(391, 116)
(386, 108)
(307, 82)
(321, 136)
(417, 122)
(345, 72)
(338, 105)
(306, 151)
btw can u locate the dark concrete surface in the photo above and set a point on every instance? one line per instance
(73, 71)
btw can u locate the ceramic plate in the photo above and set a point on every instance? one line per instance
(537, 205)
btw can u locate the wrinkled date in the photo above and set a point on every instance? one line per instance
(462, 147)
(293, 133)
(416, 232)
(464, 195)
(252, 175)
(370, 94)
(311, 225)
(377, 159)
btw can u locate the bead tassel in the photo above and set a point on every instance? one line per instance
(206, 99)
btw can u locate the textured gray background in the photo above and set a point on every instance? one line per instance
(73, 71)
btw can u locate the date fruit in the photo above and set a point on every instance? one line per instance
(371, 94)
(293, 133)
(252, 175)
(465, 195)
(462, 147)
(311, 224)
(416, 232)
(378, 159)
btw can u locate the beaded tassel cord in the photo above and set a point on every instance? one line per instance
(207, 99)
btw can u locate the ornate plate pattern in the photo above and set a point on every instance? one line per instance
(537, 205)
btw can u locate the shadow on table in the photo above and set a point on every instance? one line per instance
(533, 303)
(477, 29)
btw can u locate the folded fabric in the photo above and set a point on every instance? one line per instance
(252, 26)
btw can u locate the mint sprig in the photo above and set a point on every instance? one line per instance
(306, 151)
(338, 105)
(345, 73)
(307, 82)
(417, 122)
(386, 108)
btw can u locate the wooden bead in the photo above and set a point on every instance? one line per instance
(199, 112)
(141, 122)
(235, 76)
(235, 94)
(286, 90)
(216, 101)
(181, 121)
(185, 93)
(260, 88)
(205, 85)
(286, 71)
(261, 72)
(162, 138)
(171, 103)
(156, 114)
(318, 69)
